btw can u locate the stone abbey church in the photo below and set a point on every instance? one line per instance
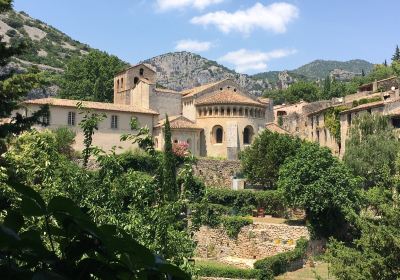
(215, 120)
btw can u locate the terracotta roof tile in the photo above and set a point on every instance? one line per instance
(179, 122)
(91, 105)
(273, 127)
(227, 97)
(166, 90)
(195, 90)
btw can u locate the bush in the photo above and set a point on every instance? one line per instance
(14, 22)
(11, 32)
(65, 138)
(226, 271)
(233, 224)
(366, 101)
(139, 161)
(243, 202)
(279, 264)
(208, 214)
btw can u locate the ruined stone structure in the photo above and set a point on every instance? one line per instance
(217, 119)
(254, 242)
(217, 173)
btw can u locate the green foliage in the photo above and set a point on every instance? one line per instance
(169, 164)
(70, 245)
(307, 91)
(90, 77)
(371, 150)
(375, 254)
(233, 224)
(243, 202)
(262, 160)
(225, 271)
(88, 125)
(192, 187)
(332, 121)
(366, 101)
(318, 182)
(396, 55)
(65, 138)
(138, 160)
(279, 264)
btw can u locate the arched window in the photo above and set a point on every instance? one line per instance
(234, 111)
(117, 84)
(228, 111)
(136, 80)
(218, 134)
(122, 82)
(141, 71)
(199, 112)
(247, 135)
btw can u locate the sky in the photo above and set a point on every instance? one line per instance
(245, 35)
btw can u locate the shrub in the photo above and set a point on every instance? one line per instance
(208, 214)
(279, 263)
(226, 271)
(139, 161)
(11, 32)
(14, 22)
(243, 202)
(233, 224)
(65, 138)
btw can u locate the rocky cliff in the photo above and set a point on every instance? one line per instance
(182, 70)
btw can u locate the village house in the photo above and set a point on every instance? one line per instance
(214, 120)
(313, 121)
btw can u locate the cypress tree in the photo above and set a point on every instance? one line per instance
(362, 73)
(169, 168)
(327, 87)
(396, 56)
(385, 63)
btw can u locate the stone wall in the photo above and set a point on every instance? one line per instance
(217, 173)
(255, 241)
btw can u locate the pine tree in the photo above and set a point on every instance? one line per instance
(169, 168)
(396, 56)
(327, 87)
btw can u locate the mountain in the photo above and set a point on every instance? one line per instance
(320, 69)
(51, 49)
(47, 47)
(182, 70)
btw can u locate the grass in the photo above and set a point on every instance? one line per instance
(320, 271)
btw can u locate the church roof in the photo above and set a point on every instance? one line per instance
(273, 127)
(91, 105)
(195, 90)
(166, 90)
(227, 97)
(179, 122)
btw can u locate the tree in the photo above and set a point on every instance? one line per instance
(396, 55)
(169, 165)
(362, 73)
(375, 254)
(307, 91)
(326, 91)
(13, 88)
(314, 180)
(262, 160)
(385, 63)
(91, 77)
(371, 150)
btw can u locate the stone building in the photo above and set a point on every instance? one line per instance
(217, 119)
(309, 120)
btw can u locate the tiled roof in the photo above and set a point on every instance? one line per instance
(91, 105)
(365, 106)
(227, 97)
(179, 122)
(151, 67)
(195, 90)
(273, 127)
(264, 100)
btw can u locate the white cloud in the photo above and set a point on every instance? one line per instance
(245, 60)
(274, 17)
(164, 5)
(193, 46)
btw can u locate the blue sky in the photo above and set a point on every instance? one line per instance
(249, 36)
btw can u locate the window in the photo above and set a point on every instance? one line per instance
(141, 71)
(71, 118)
(217, 134)
(136, 80)
(114, 122)
(247, 135)
(117, 84)
(122, 83)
